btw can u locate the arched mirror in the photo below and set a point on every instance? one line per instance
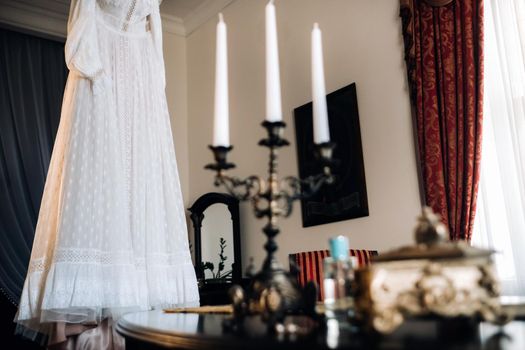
(217, 245)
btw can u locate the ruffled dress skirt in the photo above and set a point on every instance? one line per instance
(111, 235)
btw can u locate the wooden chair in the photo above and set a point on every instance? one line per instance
(309, 265)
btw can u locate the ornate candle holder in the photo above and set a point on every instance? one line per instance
(273, 292)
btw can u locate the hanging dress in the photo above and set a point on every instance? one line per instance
(111, 234)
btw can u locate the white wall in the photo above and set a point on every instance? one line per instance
(176, 94)
(362, 44)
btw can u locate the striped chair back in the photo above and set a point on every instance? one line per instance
(310, 265)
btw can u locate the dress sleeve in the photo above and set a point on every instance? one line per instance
(82, 48)
(156, 32)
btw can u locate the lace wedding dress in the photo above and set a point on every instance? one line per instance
(111, 234)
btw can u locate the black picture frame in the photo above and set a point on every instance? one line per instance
(347, 197)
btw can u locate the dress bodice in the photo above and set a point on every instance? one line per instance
(131, 11)
(121, 16)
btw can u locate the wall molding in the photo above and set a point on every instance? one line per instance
(30, 17)
(173, 24)
(203, 13)
(50, 16)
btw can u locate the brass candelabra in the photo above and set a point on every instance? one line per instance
(273, 292)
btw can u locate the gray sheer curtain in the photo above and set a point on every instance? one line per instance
(32, 79)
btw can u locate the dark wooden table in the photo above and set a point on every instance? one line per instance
(217, 293)
(158, 330)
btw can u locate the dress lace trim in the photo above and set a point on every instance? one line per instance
(98, 257)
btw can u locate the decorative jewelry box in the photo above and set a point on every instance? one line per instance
(434, 277)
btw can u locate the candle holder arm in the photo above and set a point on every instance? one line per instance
(294, 188)
(242, 189)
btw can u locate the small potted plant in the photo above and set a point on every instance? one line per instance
(219, 276)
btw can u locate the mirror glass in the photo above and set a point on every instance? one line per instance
(217, 242)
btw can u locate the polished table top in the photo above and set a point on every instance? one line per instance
(152, 329)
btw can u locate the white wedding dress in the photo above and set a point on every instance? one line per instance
(111, 234)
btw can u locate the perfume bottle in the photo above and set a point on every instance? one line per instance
(338, 279)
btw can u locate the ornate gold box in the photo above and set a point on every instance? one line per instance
(434, 277)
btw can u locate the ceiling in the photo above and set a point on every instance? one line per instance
(180, 8)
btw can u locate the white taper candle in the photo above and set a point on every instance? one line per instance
(221, 132)
(320, 113)
(273, 83)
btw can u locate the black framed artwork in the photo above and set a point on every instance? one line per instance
(346, 198)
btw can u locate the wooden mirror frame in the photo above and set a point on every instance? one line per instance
(197, 216)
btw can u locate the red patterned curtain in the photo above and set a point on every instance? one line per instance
(444, 57)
